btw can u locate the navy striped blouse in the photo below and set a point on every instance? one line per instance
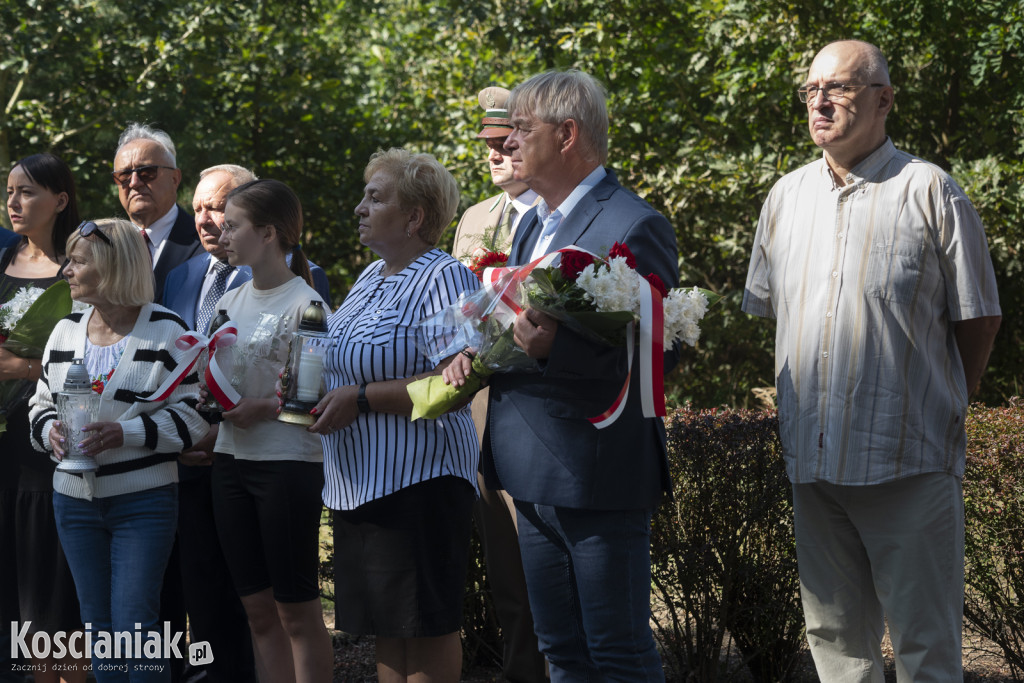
(375, 340)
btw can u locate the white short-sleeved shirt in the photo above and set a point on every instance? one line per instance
(866, 282)
(266, 319)
(375, 340)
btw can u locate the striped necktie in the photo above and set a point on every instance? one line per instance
(220, 283)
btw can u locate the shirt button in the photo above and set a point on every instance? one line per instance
(829, 314)
(835, 273)
(839, 236)
(825, 355)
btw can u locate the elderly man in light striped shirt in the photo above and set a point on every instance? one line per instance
(875, 265)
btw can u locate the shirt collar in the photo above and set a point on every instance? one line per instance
(525, 201)
(161, 228)
(570, 202)
(868, 169)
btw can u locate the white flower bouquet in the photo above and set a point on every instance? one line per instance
(26, 321)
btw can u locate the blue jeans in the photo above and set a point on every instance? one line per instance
(117, 549)
(588, 575)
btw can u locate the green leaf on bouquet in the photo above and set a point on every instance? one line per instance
(30, 334)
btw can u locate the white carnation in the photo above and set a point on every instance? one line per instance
(612, 288)
(16, 307)
(684, 309)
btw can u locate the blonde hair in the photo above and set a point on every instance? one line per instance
(125, 266)
(419, 181)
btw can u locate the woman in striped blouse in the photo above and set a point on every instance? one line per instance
(117, 524)
(402, 491)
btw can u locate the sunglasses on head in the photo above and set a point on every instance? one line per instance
(146, 174)
(89, 228)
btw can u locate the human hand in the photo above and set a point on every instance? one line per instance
(336, 410)
(101, 436)
(534, 332)
(459, 368)
(57, 439)
(249, 411)
(201, 453)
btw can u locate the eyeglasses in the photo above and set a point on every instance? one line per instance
(87, 228)
(147, 174)
(833, 91)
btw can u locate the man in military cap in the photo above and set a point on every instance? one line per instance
(490, 225)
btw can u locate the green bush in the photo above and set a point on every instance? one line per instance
(994, 501)
(722, 551)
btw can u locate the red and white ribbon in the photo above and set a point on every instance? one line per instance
(193, 344)
(218, 383)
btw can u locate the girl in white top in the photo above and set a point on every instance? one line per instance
(267, 475)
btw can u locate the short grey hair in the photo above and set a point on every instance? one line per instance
(239, 174)
(140, 131)
(557, 96)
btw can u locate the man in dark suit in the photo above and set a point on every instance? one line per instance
(147, 177)
(584, 496)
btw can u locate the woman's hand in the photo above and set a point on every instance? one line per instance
(57, 439)
(201, 453)
(101, 436)
(459, 368)
(336, 410)
(249, 411)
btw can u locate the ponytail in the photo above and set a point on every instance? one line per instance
(300, 265)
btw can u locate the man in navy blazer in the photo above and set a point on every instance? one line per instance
(215, 612)
(584, 496)
(147, 177)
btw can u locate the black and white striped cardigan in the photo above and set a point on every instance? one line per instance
(154, 432)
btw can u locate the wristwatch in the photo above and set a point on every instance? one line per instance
(361, 402)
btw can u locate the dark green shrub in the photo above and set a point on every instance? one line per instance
(723, 554)
(994, 501)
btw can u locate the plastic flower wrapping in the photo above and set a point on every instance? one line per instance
(26, 321)
(602, 298)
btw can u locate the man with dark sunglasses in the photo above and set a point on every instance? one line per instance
(147, 178)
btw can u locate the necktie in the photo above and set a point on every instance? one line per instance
(217, 289)
(550, 226)
(149, 244)
(503, 235)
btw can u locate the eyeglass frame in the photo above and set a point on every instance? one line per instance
(87, 228)
(139, 170)
(808, 93)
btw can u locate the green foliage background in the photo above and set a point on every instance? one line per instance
(704, 117)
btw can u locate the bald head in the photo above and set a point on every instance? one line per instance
(849, 103)
(870, 63)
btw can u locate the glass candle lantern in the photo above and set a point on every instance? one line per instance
(77, 406)
(302, 381)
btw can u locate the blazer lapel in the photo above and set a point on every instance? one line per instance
(526, 236)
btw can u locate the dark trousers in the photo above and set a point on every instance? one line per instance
(215, 612)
